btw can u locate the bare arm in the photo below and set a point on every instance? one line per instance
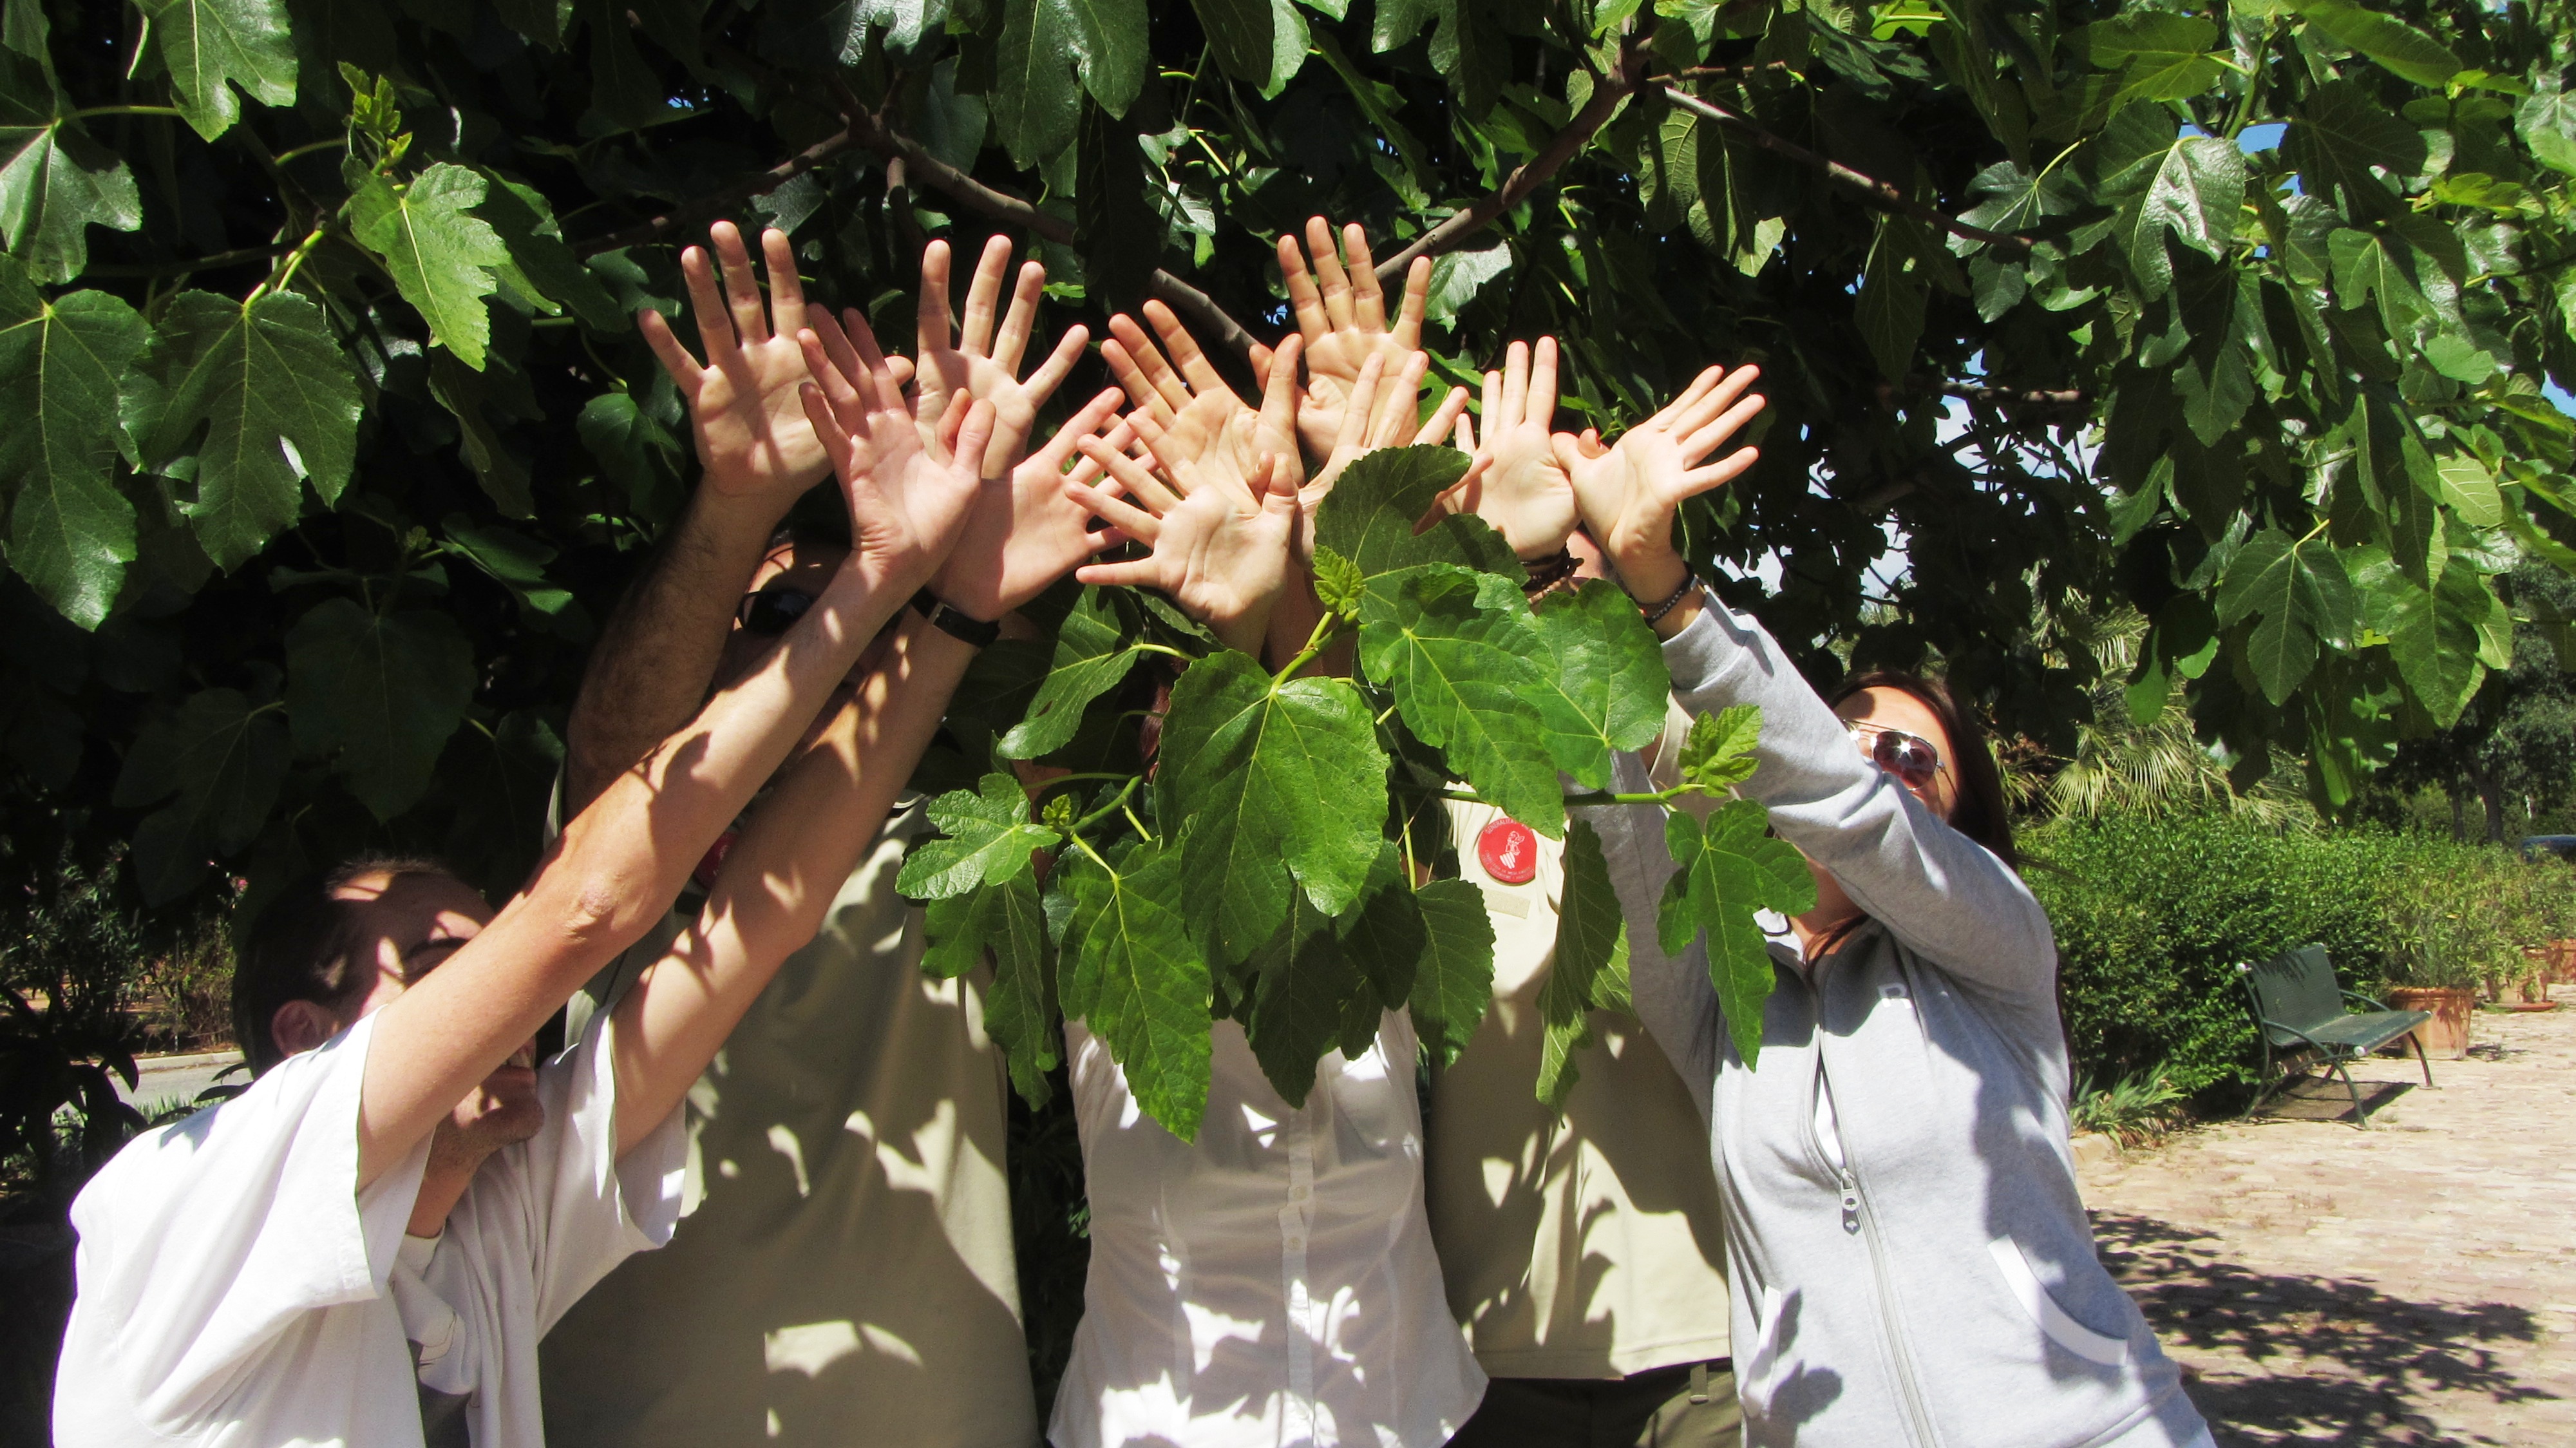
(780, 877)
(621, 862)
(757, 455)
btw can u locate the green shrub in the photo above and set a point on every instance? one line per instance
(2153, 915)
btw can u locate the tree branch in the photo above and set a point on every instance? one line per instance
(703, 208)
(2015, 397)
(1879, 193)
(1622, 82)
(1194, 306)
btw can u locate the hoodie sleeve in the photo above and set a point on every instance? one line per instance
(1941, 893)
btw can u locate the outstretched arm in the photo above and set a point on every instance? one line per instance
(619, 864)
(781, 876)
(757, 455)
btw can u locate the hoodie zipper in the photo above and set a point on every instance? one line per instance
(1826, 1126)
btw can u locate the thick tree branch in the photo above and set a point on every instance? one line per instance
(1194, 306)
(1879, 193)
(699, 209)
(2018, 397)
(1607, 92)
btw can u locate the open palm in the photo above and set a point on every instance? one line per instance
(1023, 537)
(1516, 482)
(1629, 493)
(982, 361)
(1219, 540)
(910, 490)
(1342, 322)
(754, 440)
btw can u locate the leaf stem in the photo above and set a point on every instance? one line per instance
(1130, 813)
(1327, 629)
(286, 271)
(1117, 802)
(308, 148)
(1143, 647)
(85, 112)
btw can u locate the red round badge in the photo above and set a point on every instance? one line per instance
(1509, 852)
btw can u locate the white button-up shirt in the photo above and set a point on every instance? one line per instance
(1272, 1284)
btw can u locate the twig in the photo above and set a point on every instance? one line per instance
(1195, 306)
(2015, 397)
(1625, 76)
(196, 264)
(1878, 192)
(697, 209)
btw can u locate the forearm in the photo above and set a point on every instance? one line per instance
(1938, 890)
(615, 869)
(649, 671)
(781, 876)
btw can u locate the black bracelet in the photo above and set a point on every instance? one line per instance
(1655, 616)
(1547, 573)
(944, 617)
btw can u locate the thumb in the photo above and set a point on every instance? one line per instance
(972, 436)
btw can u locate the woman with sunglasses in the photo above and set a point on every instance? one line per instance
(1910, 1262)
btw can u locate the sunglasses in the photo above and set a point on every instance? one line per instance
(770, 611)
(1910, 757)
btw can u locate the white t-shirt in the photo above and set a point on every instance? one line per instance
(235, 1288)
(1271, 1284)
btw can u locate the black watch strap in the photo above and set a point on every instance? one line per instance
(975, 631)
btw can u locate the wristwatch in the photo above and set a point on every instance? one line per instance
(959, 626)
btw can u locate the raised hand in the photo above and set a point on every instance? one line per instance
(909, 488)
(1219, 548)
(1022, 538)
(1188, 404)
(753, 439)
(1380, 412)
(1629, 493)
(979, 362)
(1343, 323)
(1516, 482)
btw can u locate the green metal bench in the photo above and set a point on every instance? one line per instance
(2298, 1006)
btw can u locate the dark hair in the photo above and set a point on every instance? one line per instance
(1978, 809)
(308, 946)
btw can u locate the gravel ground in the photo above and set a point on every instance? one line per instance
(2410, 1284)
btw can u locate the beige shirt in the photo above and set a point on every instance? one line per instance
(847, 1277)
(1580, 1246)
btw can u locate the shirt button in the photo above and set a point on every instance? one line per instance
(1297, 1193)
(1296, 1242)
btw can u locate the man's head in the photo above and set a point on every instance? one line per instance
(338, 946)
(794, 571)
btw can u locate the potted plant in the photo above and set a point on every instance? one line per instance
(2443, 943)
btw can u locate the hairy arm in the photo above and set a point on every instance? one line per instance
(780, 877)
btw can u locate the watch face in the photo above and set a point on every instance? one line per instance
(1508, 850)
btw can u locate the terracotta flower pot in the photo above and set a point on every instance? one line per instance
(2447, 1034)
(2562, 962)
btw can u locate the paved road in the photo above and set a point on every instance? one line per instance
(175, 1080)
(2412, 1284)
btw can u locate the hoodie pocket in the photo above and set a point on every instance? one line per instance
(2061, 1328)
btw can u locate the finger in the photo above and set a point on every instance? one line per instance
(836, 441)
(1058, 365)
(1115, 511)
(1399, 406)
(786, 288)
(1717, 474)
(1705, 441)
(1591, 439)
(1084, 423)
(706, 304)
(975, 434)
(1516, 387)
(1150, 366)
(742, 287)
(1680, 411)
(1275, 483)
(1135, 573)
(1152, 499)
(930, 310)
(983, 297)
(1119, 439)
(836, 343)
(848, 395)
(1542, 383)
(1355, 413)
(1279, 394)
(899, 368)
(1466, 425)
(1185, 352)
(872, 358)
(1451, 413)
(1306, 303)
(1334, 282)
(1021, 322)
(675, 358)
(1368, 300)
(1407, 330)
(1492, 411)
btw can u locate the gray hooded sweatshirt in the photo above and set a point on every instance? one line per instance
(1911, 1263)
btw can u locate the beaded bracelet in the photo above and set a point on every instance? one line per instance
(1690, 581)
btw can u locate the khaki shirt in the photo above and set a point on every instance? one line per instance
(1580, 1246)
(847, 1277)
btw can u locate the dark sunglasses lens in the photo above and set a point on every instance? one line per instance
(1908, 758)
(771, 610)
